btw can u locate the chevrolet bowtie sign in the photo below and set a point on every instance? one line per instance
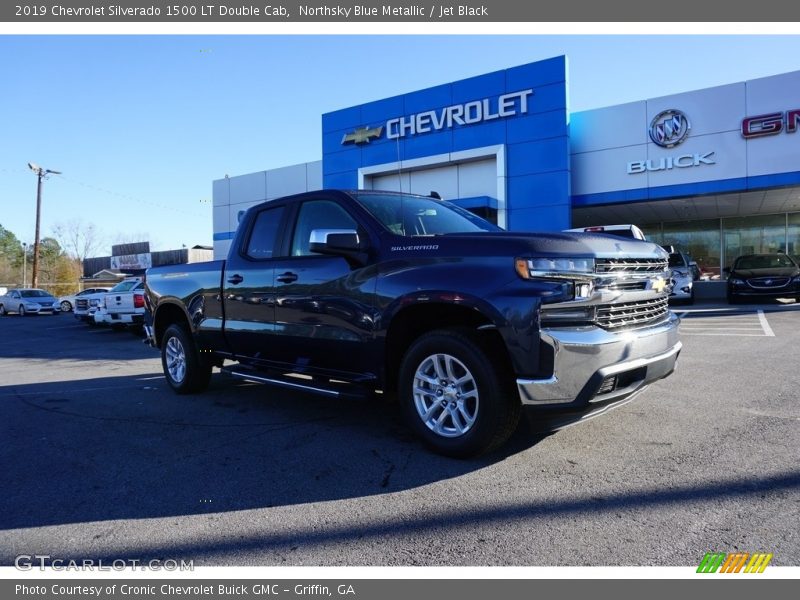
(362, 135)
(469, 113)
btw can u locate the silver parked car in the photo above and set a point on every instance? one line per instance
(25, 301)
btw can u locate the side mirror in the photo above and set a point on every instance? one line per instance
(342, 242)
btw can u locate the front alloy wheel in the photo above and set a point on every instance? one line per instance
(456, 394)
(446, 395)
(66, 306)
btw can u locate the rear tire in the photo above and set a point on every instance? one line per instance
(454, 396)
(186, 372)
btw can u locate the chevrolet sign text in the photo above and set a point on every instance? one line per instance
(507, 105)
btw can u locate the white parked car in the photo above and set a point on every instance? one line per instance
(625, 231)
(683, 276)
(25, 301)
(68, 302)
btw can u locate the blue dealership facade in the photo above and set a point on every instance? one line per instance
(715, 171)
(516, 117)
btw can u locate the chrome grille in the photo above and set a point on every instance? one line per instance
(627, 314)
(81, 304)
(631, 265)
(768, 282)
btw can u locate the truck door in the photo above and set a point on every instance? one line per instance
(323, 313)
(248, 286)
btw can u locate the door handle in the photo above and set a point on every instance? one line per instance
(287, 277)
(235, 279)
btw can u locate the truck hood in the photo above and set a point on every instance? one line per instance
(582, 245)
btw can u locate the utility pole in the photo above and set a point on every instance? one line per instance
(41, 173)
(24, 264)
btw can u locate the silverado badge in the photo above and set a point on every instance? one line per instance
(362, 135)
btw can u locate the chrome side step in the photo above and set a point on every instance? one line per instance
(302, 387)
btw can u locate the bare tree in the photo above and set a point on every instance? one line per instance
(78, 239)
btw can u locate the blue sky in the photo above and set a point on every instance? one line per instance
(141, 125)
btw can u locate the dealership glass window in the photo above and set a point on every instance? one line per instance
(754, 234)
(793, 235)
(700, 239)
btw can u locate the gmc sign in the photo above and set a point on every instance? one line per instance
(771, 123)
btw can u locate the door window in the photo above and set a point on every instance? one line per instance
(264, 235)
(318, 214)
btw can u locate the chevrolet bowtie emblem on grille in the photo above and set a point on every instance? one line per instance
(659, 284)
(362, 135)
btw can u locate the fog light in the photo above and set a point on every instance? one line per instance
(608, 385)
(583, 291)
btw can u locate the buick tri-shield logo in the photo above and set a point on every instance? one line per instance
(669, 128)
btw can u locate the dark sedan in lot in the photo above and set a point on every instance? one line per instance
(764, 275)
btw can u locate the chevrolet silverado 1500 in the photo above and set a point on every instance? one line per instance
(462, 322)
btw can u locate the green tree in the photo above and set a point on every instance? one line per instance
(10, 257)
(58, 273)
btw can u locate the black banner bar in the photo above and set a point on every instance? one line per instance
(394, 589)
(315, 11)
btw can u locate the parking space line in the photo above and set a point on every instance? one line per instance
(723, 334)
(765, 324)
(752, 323)
(720, 328)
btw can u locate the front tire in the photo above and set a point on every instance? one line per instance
(66, 306)
(21, 311)
(3, 312)
(454, 396)
(184, 370)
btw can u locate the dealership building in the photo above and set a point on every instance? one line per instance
(714, 172)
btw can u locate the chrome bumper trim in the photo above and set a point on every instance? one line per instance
(584, 353)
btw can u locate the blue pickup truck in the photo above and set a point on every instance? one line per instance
(462, 322)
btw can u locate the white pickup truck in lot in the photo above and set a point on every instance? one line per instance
(123, 306)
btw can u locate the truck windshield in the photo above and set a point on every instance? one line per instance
(124, 286)
(418, 215)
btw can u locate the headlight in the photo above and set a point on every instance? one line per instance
(531, 267)
(736, 281)
(567, 315)
(94, 302)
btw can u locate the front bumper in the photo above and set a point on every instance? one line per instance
(744, 291)
(595, 365)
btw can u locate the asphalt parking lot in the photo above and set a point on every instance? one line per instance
(100, 460)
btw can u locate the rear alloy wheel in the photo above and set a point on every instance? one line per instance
(185, 371)
(454, 397)
(66, 306)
